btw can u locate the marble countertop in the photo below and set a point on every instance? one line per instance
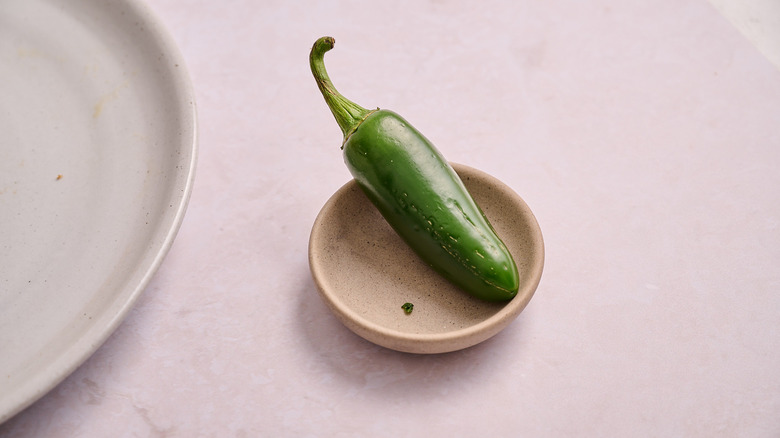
(643, 135)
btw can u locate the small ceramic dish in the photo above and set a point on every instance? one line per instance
(366, 273)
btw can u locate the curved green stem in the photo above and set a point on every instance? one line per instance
(348, 114)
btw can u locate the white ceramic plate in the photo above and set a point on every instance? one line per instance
(97, 153)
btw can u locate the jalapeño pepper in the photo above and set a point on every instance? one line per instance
(418, 193)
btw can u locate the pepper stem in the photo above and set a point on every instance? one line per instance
(348, 114)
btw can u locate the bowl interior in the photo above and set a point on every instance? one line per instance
(365, 272)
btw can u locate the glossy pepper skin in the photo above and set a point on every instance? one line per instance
(419, 194)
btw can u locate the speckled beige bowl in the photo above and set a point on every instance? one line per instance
(365, 272)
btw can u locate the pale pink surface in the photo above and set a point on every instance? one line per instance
(645, 139)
